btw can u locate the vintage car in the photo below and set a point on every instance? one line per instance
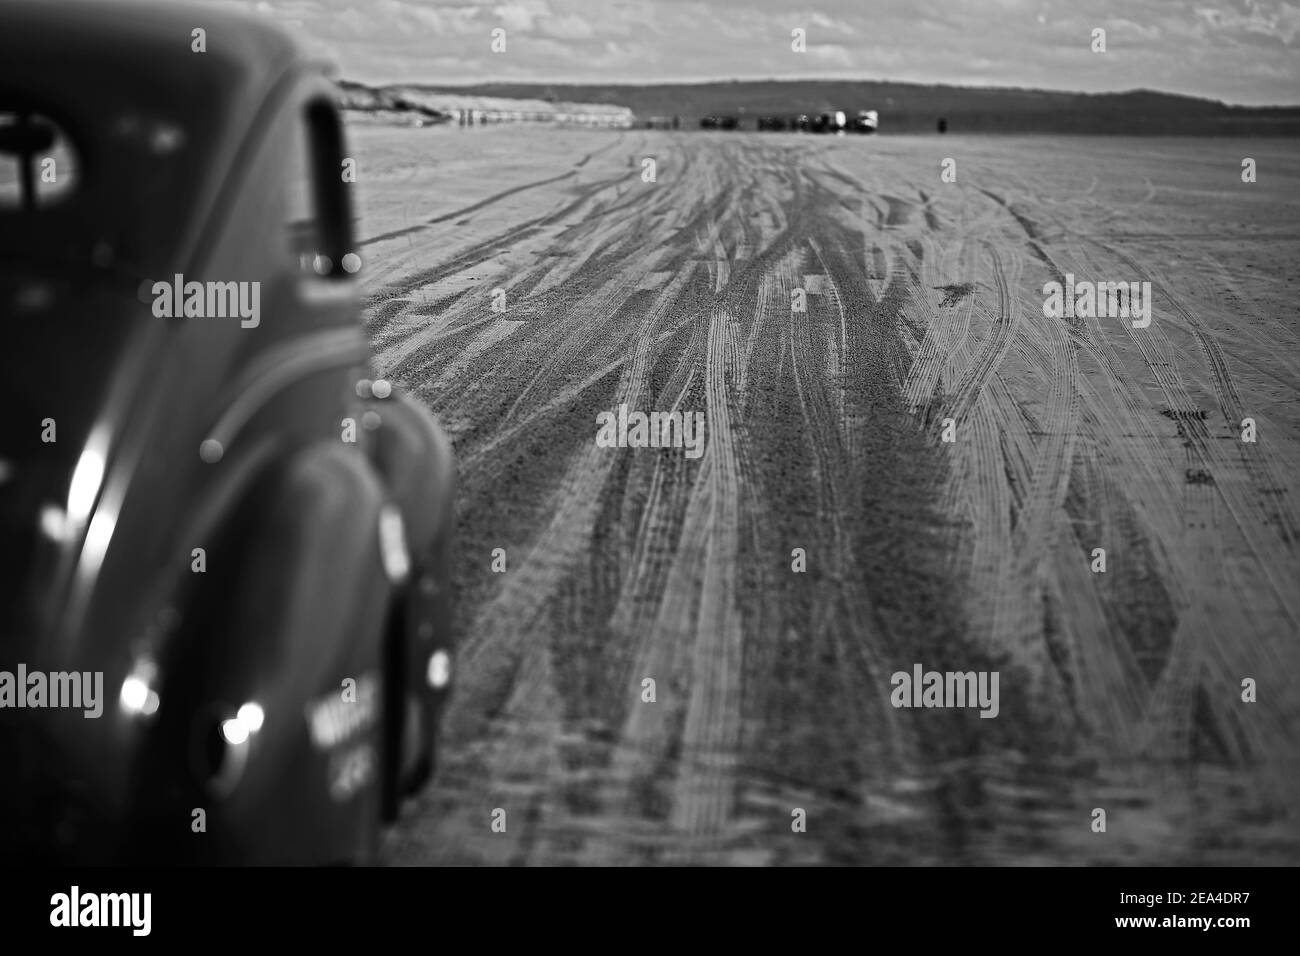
(719, 122)
(865, 121)
(830, 121)
(225, 626)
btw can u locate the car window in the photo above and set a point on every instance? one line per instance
(104, 184)
(37, 162)
(302, 226)
(318, 223)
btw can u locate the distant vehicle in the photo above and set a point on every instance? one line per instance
(831, 121)
(771, 123)
(213, 514)
(866, 121)
(719, 122)
(801, 123)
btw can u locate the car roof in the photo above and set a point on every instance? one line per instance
(95, 67)
(251, 48)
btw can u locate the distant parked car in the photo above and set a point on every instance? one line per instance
(831, 121)
(771, 123)
(211, 508)
(865, 121)
(801, 123)
(719, 122)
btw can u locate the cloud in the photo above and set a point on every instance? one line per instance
(830, 24)
(1131, 31)
(831, 54)
(521, 15)
(1279, 20)
(566, 27)
(1235, 50)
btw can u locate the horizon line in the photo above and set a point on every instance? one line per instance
(817, 79)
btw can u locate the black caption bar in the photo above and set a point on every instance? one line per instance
(238, 906)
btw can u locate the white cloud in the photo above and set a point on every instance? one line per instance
(567, 27)
(831, 54)
(521, 15)
(1236, 50)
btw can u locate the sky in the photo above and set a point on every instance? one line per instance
(1237, 51)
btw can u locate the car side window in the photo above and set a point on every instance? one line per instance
(37, 164)
(318, 219)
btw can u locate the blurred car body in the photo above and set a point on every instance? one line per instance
(226, 519)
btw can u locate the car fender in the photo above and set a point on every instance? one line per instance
(418, 467)
(415, 458)
(298, 632)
